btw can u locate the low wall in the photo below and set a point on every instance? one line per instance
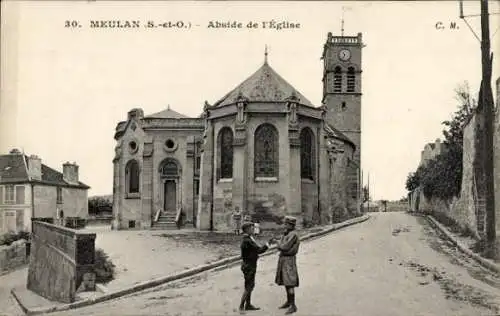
(13, 256)
(59, 259)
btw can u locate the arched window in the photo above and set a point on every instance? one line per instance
(266, 151)
(351, 79)
(132, 176)
(307, 154)
(337, 79)
(169, 168)
(225, 141)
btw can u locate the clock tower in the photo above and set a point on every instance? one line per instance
(342, 86)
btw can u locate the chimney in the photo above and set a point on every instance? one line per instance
(70, 173)
(35, 168)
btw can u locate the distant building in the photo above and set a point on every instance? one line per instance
(431, 151)
(30, 189)
(263, 147)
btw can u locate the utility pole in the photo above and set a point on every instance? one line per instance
(488, 113)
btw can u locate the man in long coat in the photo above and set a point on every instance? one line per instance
(286, 272)
(250, 251)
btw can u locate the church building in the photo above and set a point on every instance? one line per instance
(263, 148)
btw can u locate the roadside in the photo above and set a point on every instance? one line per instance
(387, 266)
(147, 258)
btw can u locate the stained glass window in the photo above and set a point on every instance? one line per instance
(351, 80)
(226, 153)
(337, 79)
(132, 176)
(266, 151)
(307, 154)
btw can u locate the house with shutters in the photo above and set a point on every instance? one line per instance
(30, 189)
(263, 147)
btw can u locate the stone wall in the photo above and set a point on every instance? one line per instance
(59, 259)
(13, 256)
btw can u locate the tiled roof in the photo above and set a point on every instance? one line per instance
(14, 169)
(168, 113)
(332, 131)
(265, 85)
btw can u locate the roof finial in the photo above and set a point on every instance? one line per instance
(265, 55)
(168, 106)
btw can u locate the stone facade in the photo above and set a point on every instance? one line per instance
(13, 255)
(60, 258)
(30, 189)
(263, 148)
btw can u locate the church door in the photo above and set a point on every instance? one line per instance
(170, 200)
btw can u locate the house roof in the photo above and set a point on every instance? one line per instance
(14, 170)
(265, 85)
(168, 113)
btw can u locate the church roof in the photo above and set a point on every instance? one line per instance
(168, 113)
(265, 85)
(332, 131)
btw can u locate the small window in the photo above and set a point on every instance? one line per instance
(343, 106)
(131, 224)
(132, 176)
(20, 199)
(351, 80)
(337, 79)
(170, 144)
(59, 195)
(198, 163)
(226, 153)
(10, 194)
(196, 187)
(132, 146)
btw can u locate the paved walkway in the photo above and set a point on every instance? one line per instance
(391, 265)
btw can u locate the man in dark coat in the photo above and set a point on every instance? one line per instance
(286, 272)
(250, 251)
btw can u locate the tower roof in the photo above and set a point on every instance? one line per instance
(265, 85)
(168, 113)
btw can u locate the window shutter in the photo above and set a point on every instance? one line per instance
(20, 195)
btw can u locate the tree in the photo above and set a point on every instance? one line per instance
(442, 176)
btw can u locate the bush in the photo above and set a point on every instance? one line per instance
(104, 269)
(10, 237)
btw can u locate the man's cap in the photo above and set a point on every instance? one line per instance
(246, 224)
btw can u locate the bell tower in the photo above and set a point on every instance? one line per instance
(342, 86)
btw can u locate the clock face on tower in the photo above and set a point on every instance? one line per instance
(344, 54)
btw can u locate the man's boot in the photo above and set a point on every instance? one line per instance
(292, 308)
(287, 303)
(242, 302)
(249, 306)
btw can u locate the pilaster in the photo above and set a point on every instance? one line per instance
(240, 157)
(295, 195)
(147, 183)
(205, 200)
(188, 185)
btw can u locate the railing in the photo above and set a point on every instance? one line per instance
(157, 215)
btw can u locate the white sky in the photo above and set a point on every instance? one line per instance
(70, 87)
